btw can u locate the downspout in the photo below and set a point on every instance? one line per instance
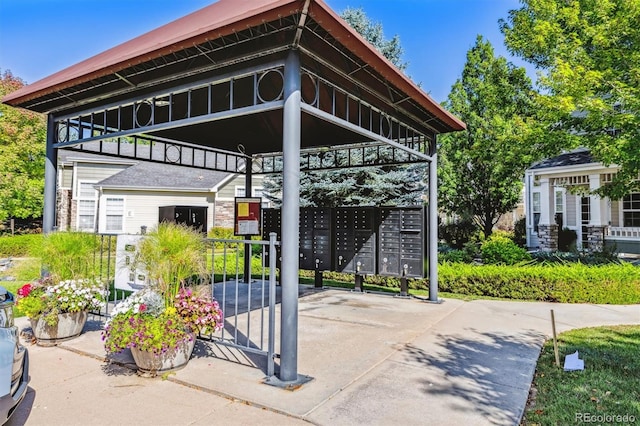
(96, 226)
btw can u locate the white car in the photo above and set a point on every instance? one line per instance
(14, 360)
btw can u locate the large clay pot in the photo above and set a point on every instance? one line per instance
(150, 365)
(69, 325)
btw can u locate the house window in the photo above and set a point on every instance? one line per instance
(559, 208)
(86, 206)
(535, 207)
(240, 191)
(631, 210)
(114, 208)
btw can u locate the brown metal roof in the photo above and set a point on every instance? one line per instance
(219, 19)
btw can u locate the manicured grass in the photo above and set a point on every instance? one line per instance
(606, 391)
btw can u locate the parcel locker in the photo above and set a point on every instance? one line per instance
(315, 238)
(354, 240)
(402, 241)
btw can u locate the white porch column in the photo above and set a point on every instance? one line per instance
(545, 202)
(599, 215)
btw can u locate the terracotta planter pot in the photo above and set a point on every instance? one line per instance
(69, 325)
(150, 365)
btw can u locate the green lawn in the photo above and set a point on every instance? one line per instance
(607, 391)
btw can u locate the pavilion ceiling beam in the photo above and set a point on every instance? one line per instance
(301, 24)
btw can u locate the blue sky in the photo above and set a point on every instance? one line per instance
(40, 37)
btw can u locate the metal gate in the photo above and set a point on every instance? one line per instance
(248, 303)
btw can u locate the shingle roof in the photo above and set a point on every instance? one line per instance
(147, 175)
(573, 158)
(162, 176)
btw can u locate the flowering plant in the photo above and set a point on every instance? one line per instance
(46, 298)
(143, 321)
(166, 314)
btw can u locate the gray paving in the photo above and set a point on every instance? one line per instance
(375, 360)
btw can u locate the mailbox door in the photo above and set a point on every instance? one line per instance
(412, 244)
(322, 243)
(365, 240)
(306, 239)
(390, 241)
(343, 239)
(271, 223)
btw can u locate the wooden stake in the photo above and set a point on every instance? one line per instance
(555, 339)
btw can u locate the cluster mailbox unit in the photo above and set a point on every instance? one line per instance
(388, 241)
(194, 216)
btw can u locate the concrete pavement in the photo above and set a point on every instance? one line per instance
(375, 360)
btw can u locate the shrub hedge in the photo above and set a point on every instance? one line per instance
(499, 249)
(567, 283)
(570, 283)
(24, 245)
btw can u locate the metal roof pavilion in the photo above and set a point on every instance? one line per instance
(246, 86)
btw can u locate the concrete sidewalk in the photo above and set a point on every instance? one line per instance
(375, 360)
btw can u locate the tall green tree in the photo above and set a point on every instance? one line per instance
(588, 52)
(22, 150)
(383, 185)
(480, 169)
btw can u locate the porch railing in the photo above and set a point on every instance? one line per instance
(619, 232)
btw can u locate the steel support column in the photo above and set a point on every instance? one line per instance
(433, 228)
(50, 176)
(290, 218)
(247, 247)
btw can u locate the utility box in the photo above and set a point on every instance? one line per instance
(354, 231)
(402, 241)
(194, 216)
(315, 238)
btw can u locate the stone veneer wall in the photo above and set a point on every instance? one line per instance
(595, 237)
(63, 213)
(223, 215)
(548, 237)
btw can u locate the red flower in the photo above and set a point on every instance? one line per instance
(142, 308)
(24, 290)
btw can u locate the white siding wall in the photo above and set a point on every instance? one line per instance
(615, 213)
(66, 180)
(570, 215)
(142, 207)
(97, 172)
(228, 191)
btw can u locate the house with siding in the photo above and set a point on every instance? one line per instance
(115, 195)
(557, 197)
